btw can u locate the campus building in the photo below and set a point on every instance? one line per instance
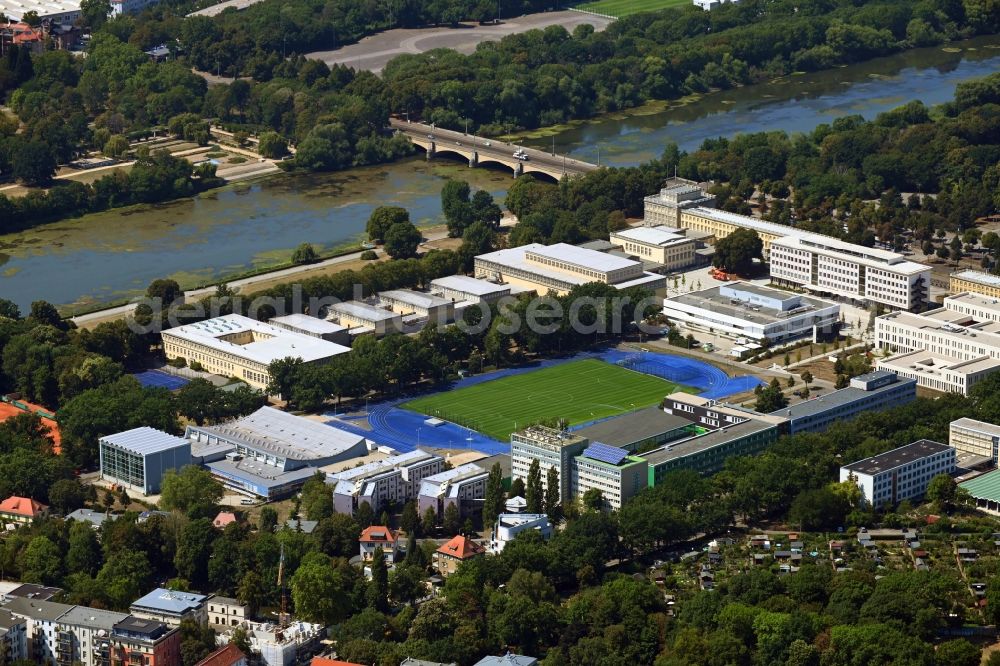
(970, 437)
(900, 474)
(237, 346)
(171, 607)
(867, 275)
(551, 448)
(872, 392)
(271, 453)
(618, 475)
(745, 310)
(668, 247)
(718, 430)
(315, 327)
(948, 349)
(362, 318)
(412, 304)
(974, 282)
(61, 12)
(823, 264)
(394, 479)
(561, 267)
(139, 458)
(664, 207)
(638, 431)
(463, 289)
(463, 486)
(509, 525)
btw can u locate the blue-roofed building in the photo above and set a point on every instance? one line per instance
(171, 607)
(137, 459)
(617, 474)
(508, 659)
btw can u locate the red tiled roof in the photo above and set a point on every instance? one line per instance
(22, 506)
(224, 518)
(461, 547)
(377, 534)
(226, 656)
(323, 661)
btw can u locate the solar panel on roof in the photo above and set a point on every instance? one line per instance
(609, 454)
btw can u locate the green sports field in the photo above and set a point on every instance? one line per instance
(621, 8)
(577, 391)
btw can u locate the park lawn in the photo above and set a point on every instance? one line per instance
(577, 391)
(622, 8)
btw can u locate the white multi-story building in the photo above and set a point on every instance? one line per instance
(237, 346)
(463, 486)
(742, 309)
(664, 207)
(410, 303)
(551, 448)
(824, 264)
(561, 267)
(225, 612)
(462, 288)
(667, 246)
(948, 349)
(394, 479)
(611, 470)
(361, 318)
(830, 266)
(900, 474)
(81, 632)
(976, 438)
(509, 525)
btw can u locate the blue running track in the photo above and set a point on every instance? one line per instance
(401, 429)
(158, 378)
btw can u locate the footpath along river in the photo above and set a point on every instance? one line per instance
(111, 256)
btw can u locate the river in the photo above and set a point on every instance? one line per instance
(108, 257)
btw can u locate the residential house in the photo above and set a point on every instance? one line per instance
(458, 550)
(377, 536)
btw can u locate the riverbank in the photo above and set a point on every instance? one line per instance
(100, 259)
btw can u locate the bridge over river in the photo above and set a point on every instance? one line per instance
(479, 151)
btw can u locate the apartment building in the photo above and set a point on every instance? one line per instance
(900, 474)
(225, 612)
(171, 607)
(463, 487)
(677, 195)
(450, 555)
(82, 635)
(13, 637)
(137, 640)
(662, 245)
(948, 349)
(394, 479)
(974, 282)
(974, 438)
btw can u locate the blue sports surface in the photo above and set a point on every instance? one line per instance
(404, 430)
(158, 378)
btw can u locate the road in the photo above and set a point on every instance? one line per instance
(373, 52)
(491, 148)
